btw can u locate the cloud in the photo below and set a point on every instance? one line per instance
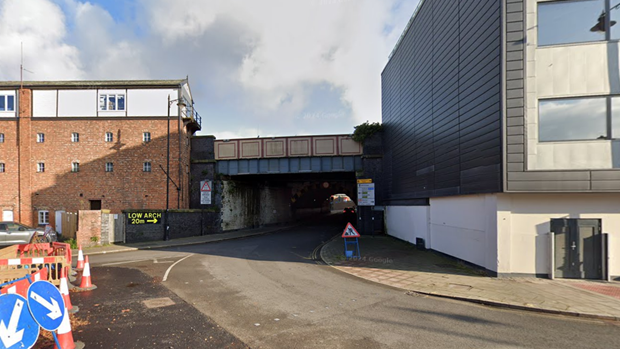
(252, 64)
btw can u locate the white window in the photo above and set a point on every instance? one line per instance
(75, 137)
(109, 137)
(146, 167)
(146, 137)
(112, 101)
(44, 217)
(1, 137)
(7, 103)
(75, 167)
(1, 167)
(40, 167)
(109, 167)
(40, 137)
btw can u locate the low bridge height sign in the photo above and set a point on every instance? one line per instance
(137, 218)
(205, 192)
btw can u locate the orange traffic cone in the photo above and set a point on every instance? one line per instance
(80, 261)
(86, 284)
(64, 291)
(65, 336)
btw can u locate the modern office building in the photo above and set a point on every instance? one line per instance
(502, 135)
(86, 145)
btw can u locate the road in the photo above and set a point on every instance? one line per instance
(268, 292)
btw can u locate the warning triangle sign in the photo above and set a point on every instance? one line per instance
(350, 232)
(205, 187)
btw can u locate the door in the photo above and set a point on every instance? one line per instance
(578, 252)
(95, 204)
(58, 221)
(7, 216)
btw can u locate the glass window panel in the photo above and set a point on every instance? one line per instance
(2, 103)
(572, 119)
(615, 117)
(102, 104)
(615, 19)
(10, 105)
(121, 102)
(111, 102)
(565, 22)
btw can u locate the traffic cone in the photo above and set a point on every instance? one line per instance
(80, 261)
(86, 284)
(64, 290)
(65, 336)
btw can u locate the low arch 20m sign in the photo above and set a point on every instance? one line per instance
(137, 218)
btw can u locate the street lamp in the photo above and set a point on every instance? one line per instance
(180, 104)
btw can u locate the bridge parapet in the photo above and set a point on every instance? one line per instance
(286, 147)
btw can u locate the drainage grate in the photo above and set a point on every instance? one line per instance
(158, 302)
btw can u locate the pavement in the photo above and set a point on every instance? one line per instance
(396, 263)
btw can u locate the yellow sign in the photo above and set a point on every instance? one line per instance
(364, 181)
(144, 217)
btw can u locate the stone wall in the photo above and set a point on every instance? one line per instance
(183, 223)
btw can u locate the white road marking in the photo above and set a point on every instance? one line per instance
(175, 263)
(125, 262)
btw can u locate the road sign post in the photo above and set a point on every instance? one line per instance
(350, 233)
(18, 329)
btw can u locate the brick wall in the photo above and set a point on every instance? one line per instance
(89, 228)
(127, 187)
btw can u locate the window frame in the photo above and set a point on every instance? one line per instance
(75, 166)
(75, 137)
(109, 167)
(146, 137)
(40, 137)
(1, 137)
(146, 166)
(45, 214)
(40, 167)
(6, 98)
(106, 105)
(109, 139)
(2, 167)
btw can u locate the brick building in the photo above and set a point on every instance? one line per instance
(82, 145)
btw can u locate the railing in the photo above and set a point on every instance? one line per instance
(190, 112)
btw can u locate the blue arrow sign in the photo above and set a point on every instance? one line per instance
(46, 304)
(17, 327)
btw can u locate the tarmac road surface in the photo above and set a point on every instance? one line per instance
(269, 292)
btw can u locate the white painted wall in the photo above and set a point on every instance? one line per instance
(466, 227)
(44, 103)
(9, 114)
(408, 223)
(151, 102)
(81, 103)
(528, 223)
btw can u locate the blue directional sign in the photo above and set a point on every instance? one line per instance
(46, 304)
(17, 327)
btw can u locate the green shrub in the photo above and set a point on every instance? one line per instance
(366, 130)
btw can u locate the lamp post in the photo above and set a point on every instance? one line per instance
(181, 104)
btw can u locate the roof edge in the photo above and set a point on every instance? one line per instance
(95, 83)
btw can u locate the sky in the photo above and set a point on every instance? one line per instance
(256, 67)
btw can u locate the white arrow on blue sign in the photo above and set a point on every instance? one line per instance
(17, 326)
(46, 304)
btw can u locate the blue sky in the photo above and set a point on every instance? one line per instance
(256, 67)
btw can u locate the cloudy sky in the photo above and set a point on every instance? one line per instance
(256, 67)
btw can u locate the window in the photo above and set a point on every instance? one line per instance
(7, 103)
(109, 167)
(1, 137)
(146, 137)
(40, 137)
(565, 22)
(1, 167)
(112, 102)
(146, 167)
(40, 167)
(572, 119)
(75, 137)
(109, 137)
(44, 217)
(75, 167)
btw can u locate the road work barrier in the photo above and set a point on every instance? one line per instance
(18, 261)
